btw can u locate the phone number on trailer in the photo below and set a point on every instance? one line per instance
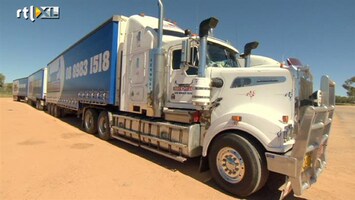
(98, 63)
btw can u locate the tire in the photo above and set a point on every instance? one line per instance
(237, 165)
(90, 121)
(49, 108)
(103, 126)
(51, 112)
(57, 111)
(38, 105)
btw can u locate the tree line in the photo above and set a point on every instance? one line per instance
(350, 91)
(5, 88)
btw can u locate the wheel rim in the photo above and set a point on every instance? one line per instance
(230, 165)
(89, 121)
(103, 125)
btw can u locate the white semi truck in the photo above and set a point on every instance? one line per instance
(145, 81)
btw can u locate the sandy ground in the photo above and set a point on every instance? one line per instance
(47, 158)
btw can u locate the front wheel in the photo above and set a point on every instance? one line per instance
(237, 165)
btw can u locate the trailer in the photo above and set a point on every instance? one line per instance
(85, 74)
(147, 82)
(19, 89)
(37, 88)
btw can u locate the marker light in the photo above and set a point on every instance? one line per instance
(237, 118)
(196, 117)
(285, 119)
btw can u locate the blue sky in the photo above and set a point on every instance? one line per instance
(321, 33)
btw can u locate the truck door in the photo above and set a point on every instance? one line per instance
(179, 91)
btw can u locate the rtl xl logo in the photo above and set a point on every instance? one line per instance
(42, 12)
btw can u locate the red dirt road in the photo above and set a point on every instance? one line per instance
(47, 158)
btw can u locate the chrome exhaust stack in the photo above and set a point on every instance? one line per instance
(158, 67)
(201, 92)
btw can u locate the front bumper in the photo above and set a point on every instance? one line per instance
(304, 163)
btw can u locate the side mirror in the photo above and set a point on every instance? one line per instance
(248, 47)
(185, 52)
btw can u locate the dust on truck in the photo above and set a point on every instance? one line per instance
(37, 88)
(19, 89)
(145, 81)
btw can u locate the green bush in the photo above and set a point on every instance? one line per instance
(344, 100)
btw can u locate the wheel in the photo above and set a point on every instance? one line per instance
(51, 111)
(49, 108)
(57, 111)
(32, 103)
(90, 121)
(38, 104)
(103, 126)
(237, 165)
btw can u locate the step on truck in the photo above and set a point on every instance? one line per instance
(37, 88)
(19, 89)
(145, 81)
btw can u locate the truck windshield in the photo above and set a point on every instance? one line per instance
(220, 56)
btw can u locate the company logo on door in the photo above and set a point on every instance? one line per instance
(41, 12)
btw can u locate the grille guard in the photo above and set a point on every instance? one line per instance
(307, 159)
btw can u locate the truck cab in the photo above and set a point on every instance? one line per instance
(182, 71)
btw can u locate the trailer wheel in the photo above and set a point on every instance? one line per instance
(57, 111)
(90, 121)
(51, 112)
(236, 165)
(103, 126)
(49, 108)
(38, 105)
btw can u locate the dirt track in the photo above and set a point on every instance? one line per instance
(47, 158)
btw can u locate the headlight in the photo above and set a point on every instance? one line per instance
(287, 133)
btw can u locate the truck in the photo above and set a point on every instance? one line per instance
(37, 88)
(19, 89)
(147, 82)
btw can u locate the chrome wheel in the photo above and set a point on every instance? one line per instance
(230, 165)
